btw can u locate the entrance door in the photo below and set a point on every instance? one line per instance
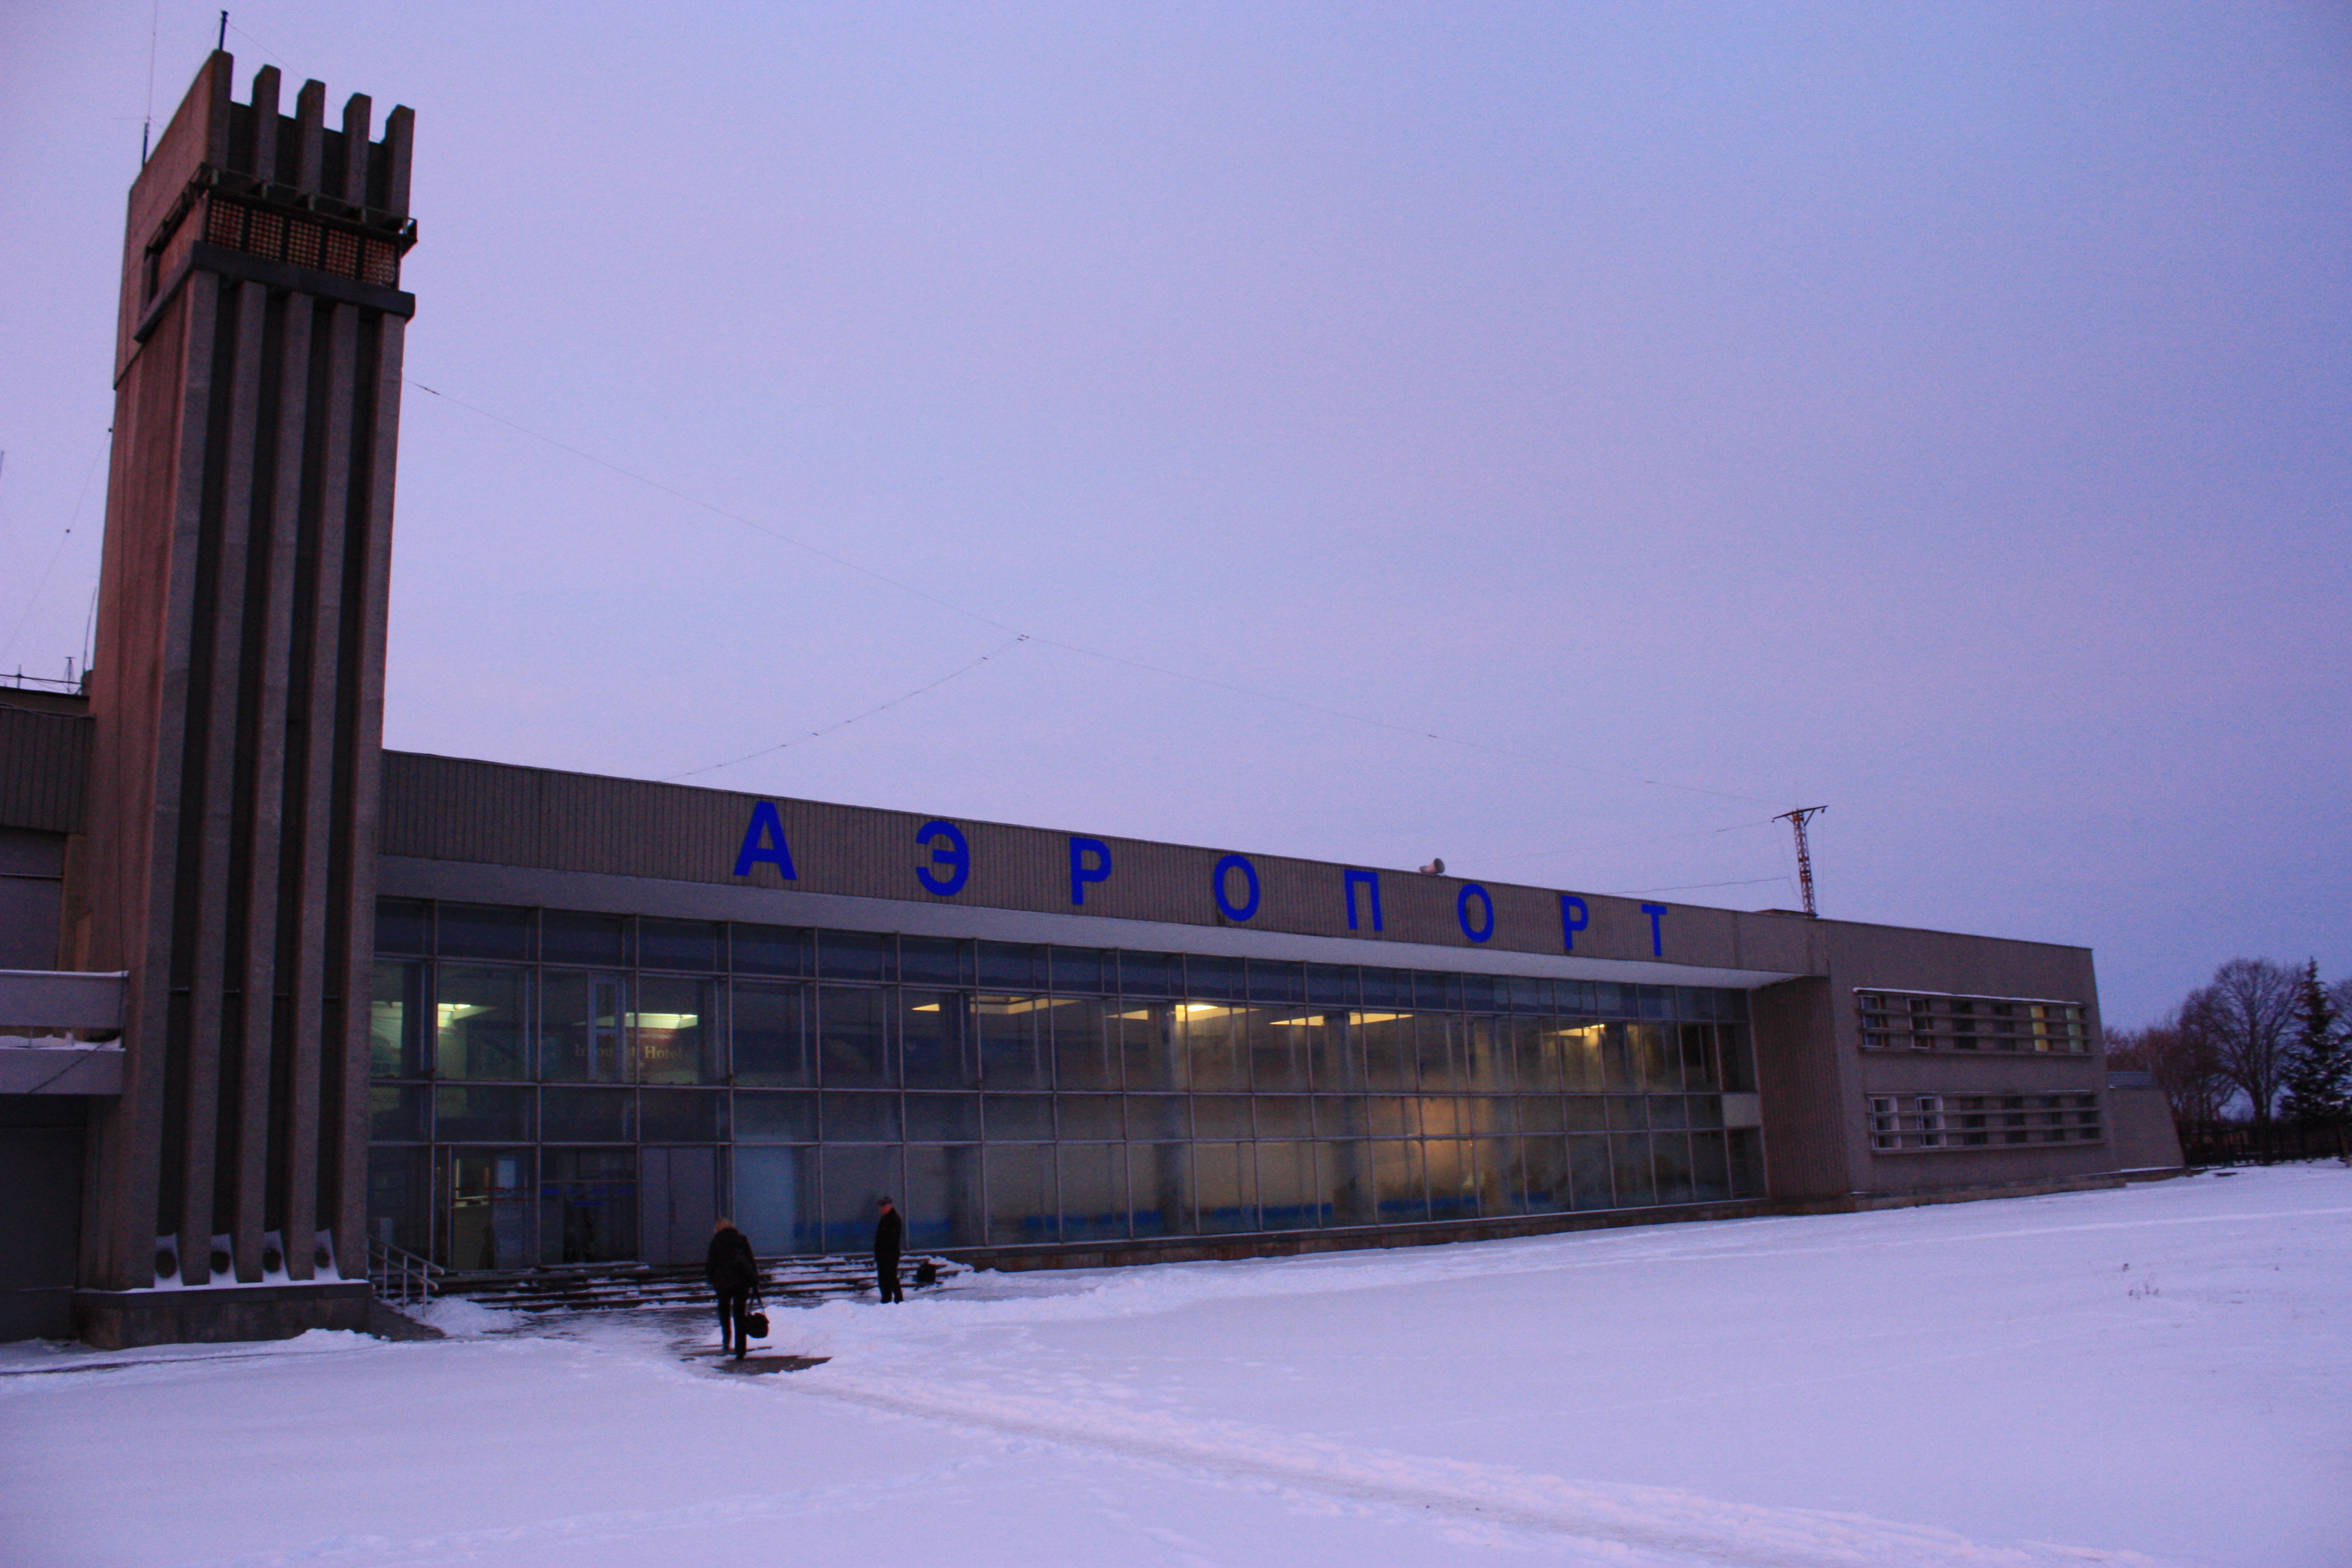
(681, 1202)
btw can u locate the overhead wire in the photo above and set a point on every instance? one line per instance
(1067, 646)
(844, 724)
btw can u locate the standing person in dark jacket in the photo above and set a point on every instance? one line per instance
(888, 1233)
(734, 1274)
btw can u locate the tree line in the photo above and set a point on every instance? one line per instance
(2262, 1043)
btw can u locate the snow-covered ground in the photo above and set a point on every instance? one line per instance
(2163, 1373)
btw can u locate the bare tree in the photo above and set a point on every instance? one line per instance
(2245, 1018)
(2181, 1062)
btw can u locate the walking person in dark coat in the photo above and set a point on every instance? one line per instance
(734, 1274)
(889, 1232)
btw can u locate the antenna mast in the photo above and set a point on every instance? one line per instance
(1797, 819)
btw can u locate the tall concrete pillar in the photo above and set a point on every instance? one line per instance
(237, 699)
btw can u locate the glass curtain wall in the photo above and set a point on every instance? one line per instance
(533, 1069)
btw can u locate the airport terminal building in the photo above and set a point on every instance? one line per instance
(278, 998)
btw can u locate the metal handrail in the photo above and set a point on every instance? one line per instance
(399, 1276)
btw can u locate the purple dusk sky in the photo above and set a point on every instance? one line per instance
(1935, 411)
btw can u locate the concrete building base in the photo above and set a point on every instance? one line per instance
(122, 1319)
(1289, 1244)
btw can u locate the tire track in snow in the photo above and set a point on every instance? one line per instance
(1652, 1518)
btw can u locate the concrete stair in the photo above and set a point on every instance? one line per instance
(626, 1287)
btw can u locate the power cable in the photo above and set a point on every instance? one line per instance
(844, 724)
(987, 620)
(10, 646)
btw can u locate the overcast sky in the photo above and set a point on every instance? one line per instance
(1935, 411)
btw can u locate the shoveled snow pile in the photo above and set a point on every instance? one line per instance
(459, 1317)
(2160, 1374)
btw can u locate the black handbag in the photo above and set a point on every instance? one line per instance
(755, 1319)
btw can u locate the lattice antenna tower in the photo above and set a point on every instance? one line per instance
(1797, 819)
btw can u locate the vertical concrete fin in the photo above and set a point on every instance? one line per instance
(265, 123)
(309, 136)
(358, 114)
(393, 158)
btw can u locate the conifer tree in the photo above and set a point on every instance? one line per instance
(2319, 1078)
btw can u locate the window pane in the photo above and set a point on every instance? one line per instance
(1590, 1169)
(943, 1118)
(1656, 1066)
(580, 1033)
(484, 930)
(1022, 1205)
(775, 1200)
(768, 950)
(1217, 1040)
(1091, 1118)
(1289, 1193)
(1281, 1043)
(775, 1118)
(1083, 1056)
(481, 1020)
(1221, 1116)
(1630, 1164)
(683, 1115)
(1544, 1163)
(1738, 1067)
(399, 1113)
(1710, 1171)
(1746, 1148)
(1011, 1055)
(852, 1043)
(1452, 1175)
(1152, 1055)
(567, 936)
(1220, 977)
(1344, 1172)
(936, 1040)
(476, 1115)
(853, 955)
(1439, 1042)
(396, 1022)
(853, 1118)
(1342, 1116)
(588, 1205)
(934, 961)
(589, 1115)
(1627, 1113)
(1150, 974)
(1009, 966)
(1285, 1116)
(1670, 1158)
(1274, 980)
(771, 1045)
(1331, 985)
(399, 1198)
(1159, 1187)
(1018, 1118)
(1388, 1050)
(1488, 1054)
(490, 1209)
(857, 1180)
(1699, 1055)
(677, 1031)
(1540, 1113)
(1094, 1191)
(942, 1205)
(1224, 1190)
(1396, 1178)
(1586, 1113)
(1393, 1116)
(1387, 990)
(691, 945)
(400, 925)
(1669, 1110)
(1335, 1065)
(1501, 1178)
(1079, 970)
(1536, 1055)
(1154, 1116)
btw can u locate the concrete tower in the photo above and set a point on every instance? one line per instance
(228, 862)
